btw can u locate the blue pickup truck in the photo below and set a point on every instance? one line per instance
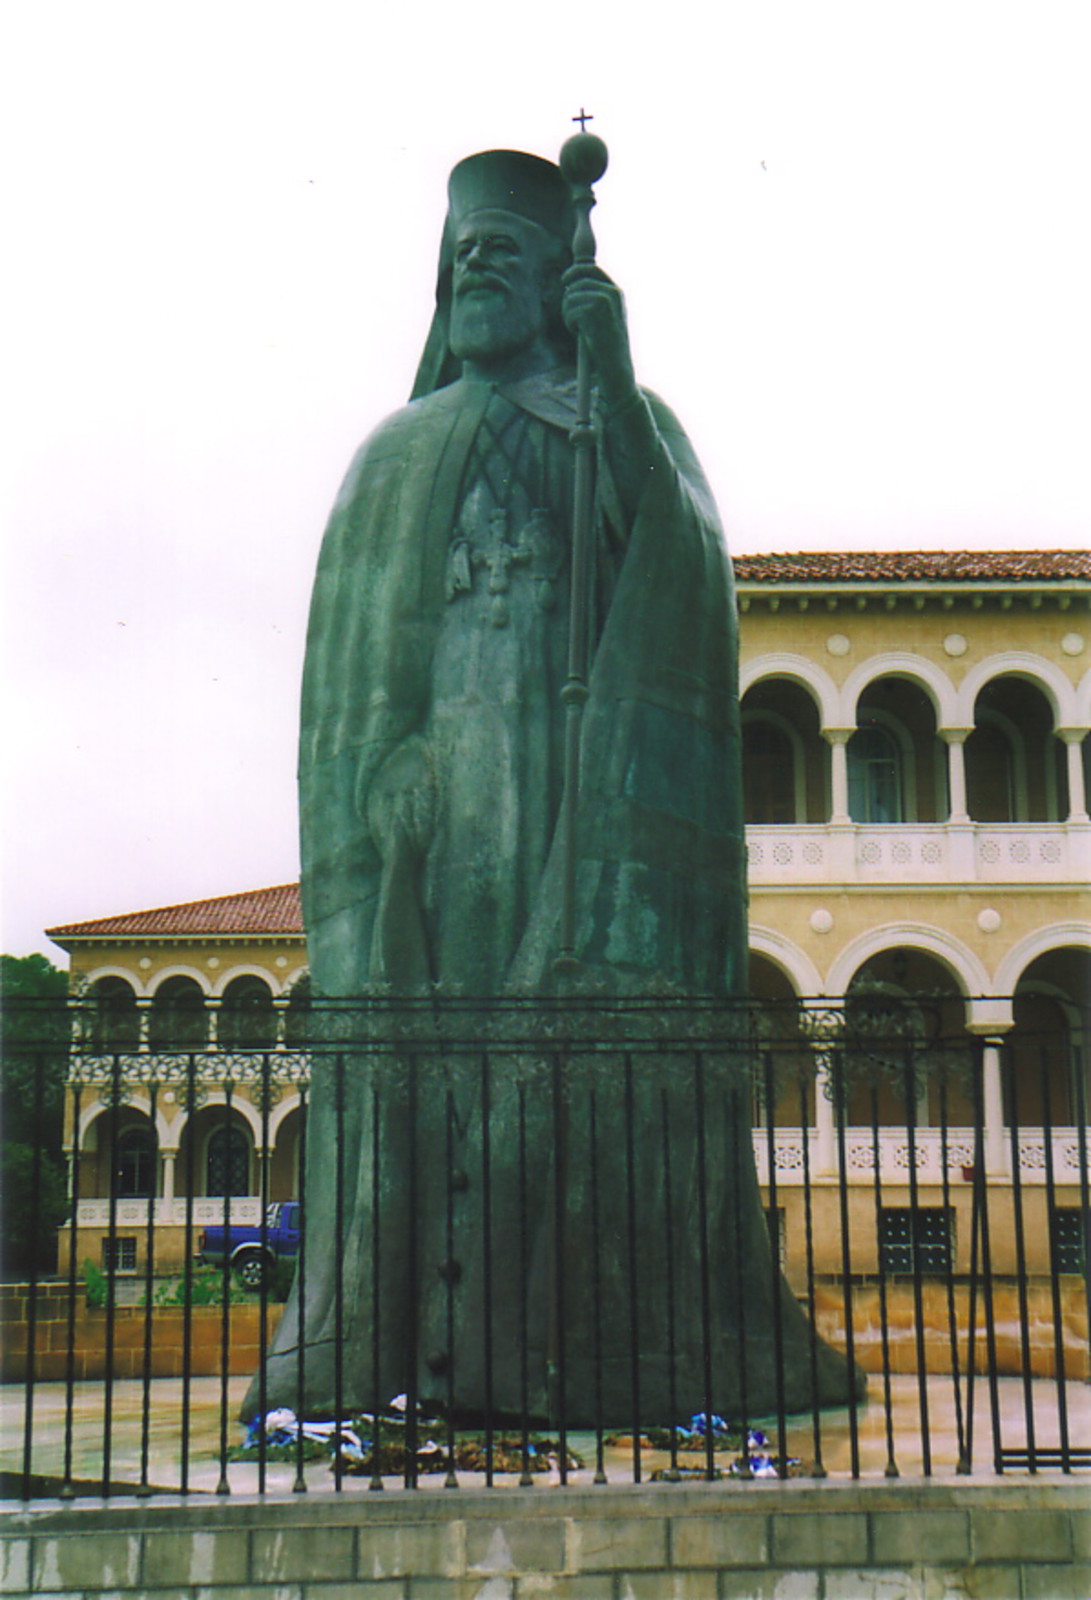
(252, 1252)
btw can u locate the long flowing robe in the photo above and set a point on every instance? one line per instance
(461, 1196)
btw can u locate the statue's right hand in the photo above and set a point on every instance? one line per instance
(400, 802)
(594, 306)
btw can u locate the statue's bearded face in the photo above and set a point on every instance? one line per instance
(504, 268)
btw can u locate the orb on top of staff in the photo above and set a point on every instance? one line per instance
(584, 156)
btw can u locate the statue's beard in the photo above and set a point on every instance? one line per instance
(489, 321)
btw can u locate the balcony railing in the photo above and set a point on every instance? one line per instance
(918, 852)
(202, 1211)
(930, 1146)
(890, 1149)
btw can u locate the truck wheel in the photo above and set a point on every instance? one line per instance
(252, 1271)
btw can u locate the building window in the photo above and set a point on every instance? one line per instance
(134, 1172)
(875, 776)
(227, 1164)
(1070, 1229)
(921, 1237)
(119, 1255)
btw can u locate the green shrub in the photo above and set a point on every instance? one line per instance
(206, 1288)
(96, 1285)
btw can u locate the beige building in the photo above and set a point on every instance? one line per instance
(915, 732)
(209, 977)
(916, 751)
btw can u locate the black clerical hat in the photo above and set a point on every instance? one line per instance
(512, 180)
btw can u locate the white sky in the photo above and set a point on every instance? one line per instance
(855, 244)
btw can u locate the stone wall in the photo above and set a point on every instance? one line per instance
(167, 1327)
(759, 1541)
(901, 1321)
(89, 1337)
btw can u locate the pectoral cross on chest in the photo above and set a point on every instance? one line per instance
(538, 549)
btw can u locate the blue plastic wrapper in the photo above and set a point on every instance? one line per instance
(701, 1423)
(282, 1427)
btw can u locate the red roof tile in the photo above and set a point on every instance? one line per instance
(917, 566)
(257, 911)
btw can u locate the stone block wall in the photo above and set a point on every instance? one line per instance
(167, 1328)
(759, 1541)
(129, 1335)
(1039, 1352)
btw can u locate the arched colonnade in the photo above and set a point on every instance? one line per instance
(900, 741)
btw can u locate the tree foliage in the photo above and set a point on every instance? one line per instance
(33, 1058)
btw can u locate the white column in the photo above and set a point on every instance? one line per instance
(825, 1125)
(212, 1006)
(955, 740)
(170, 1157)
(143, 1012)
(996, 1150)
(1077, 790)
(280, 1011)
(837, 739)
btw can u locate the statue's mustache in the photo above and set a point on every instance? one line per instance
(480, 280)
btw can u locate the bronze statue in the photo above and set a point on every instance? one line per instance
(432, 785)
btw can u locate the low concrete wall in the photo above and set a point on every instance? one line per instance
(89, 1338)
(759, 1541)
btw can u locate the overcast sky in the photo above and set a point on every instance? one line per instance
(855, 244)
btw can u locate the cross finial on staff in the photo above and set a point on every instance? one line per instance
(583, 119)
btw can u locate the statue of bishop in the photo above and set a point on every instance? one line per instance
(431, 785)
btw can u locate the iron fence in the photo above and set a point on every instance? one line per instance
(517, 1272)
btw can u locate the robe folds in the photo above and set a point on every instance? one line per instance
(478, 1234)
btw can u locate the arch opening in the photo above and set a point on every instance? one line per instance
(1016, 770)
(783, 755)
(897, 766)
(179, 1020)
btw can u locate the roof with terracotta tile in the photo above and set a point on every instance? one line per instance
(256, 912)
(917, 566)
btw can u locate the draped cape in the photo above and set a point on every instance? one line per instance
(398, 1179)
(660, 873)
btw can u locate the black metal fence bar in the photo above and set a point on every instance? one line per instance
(485, 1122)
(949, 1274)
(982, 1233)
(486, 1264)
(738, 1133)
(891, 1469)
(187, 1273)
(818, 1470)
(1019, 1233)
(909, 1084)
(1054, 1268)
(149, 1301)
(839, 1091)
(299, 1486)
(32, 1307)
(67, 1490)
